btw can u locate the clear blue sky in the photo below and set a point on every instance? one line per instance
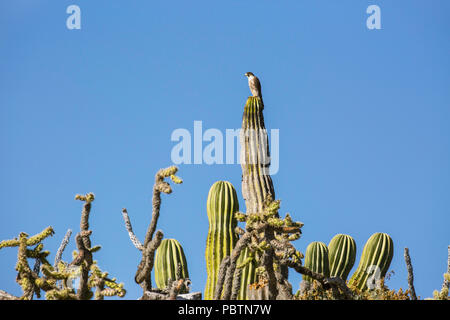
(363, 118)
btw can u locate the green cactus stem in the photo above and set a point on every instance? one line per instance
(316, 259)
(255, 157)
(375, 261)
(169, 257)
(248, 276)
(221, 206)
(341, 255)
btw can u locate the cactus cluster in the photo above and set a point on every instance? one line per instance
(338, 259)
(240, 264)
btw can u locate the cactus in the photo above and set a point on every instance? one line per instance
(248, 274)
(169, 257)
(341, 255)
(221, 206)
(375, 261)
(316, 259)
(255, 157)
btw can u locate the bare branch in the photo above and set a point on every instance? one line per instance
(410, 275)
(324, 281)
(143, 274)
(62, 247)
(159, 186)
(129, 228)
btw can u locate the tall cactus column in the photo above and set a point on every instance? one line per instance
(257, 184)
(255, 157)
(221, 207)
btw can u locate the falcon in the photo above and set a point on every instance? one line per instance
(255, 85)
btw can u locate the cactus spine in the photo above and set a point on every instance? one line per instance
(375, 261)
(221, 207)
(168, 257)
(341, 255)
(316, 259)
(255, 157)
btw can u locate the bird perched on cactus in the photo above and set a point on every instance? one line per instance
(255, 85)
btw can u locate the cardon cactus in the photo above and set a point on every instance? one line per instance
(168, 257)
(341, 255)
(221, 206)
(316, 259)
(255, 157)
(375, 261)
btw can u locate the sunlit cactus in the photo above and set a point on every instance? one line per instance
(316, 259)
(170, 263)
(248, 273)
(341, 255)
(375, 261)
(221, 206)
(255, 157)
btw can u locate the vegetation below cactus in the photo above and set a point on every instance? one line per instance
(317, 292)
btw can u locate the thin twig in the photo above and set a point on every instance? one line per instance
(129, 228)
(62, 247)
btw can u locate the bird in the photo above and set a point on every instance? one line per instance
(255, 85)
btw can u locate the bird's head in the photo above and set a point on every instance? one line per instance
(249, 74)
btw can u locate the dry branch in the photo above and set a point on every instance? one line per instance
(410, 275)
(152, 240)
(62, 247)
